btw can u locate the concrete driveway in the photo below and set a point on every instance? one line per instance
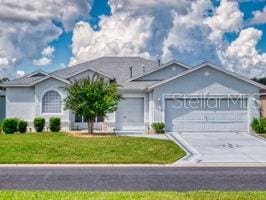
(221, 147)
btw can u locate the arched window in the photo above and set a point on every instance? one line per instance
(51, 102)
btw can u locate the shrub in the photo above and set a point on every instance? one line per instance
(158, 127)
(22, 126)
(259, 125)
(255, 123)
(9, 125)
(55, 124)
(39, 123)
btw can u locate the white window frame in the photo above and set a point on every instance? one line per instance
(61, 106)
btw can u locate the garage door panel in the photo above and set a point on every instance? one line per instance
(130, 114)
(228, 115)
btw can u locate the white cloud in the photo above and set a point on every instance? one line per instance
(187, 39)
(259, 17)
(28, 26)
(48, 51)
(46, 58)
(147, 5)
(42, 61)
(190, 31)
(20, 73)
(227, 18)
(242, 56)
(134, 28)
(119, 35)
(35, 12)
(169, 29)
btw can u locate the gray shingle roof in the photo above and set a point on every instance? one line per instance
(23, 81)
(138, 85)
(117, 67)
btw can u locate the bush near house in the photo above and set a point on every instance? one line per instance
(9, 125)
(259, 125)
(22, 126)
(158, 127)
(55, 124)
(39, 123)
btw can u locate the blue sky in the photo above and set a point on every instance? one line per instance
(136, 28)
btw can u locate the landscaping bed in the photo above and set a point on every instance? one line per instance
(133, 195)
(62, 148)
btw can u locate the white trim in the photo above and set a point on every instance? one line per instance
(161, 67)
(38, 81)
(151, 119)
(41, 102)
(93, 70)
(37, 72)
(248, 114)
(214, 67)
(50, 76)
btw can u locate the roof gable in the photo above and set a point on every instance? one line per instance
(207, 64)
(48, 77)
(37, 73)
(154, 70)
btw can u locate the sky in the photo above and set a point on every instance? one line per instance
(53, 34)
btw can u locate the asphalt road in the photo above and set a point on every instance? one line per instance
(132, 178)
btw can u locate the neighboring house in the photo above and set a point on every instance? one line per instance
(152, 92)
(263, 103)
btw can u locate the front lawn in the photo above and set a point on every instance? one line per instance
(62, 148)
(133, 195)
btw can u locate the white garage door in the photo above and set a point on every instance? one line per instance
(206, 115)
(130, 114)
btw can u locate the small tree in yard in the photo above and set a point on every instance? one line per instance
(92, 97)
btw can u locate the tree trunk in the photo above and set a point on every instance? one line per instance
(90, 126)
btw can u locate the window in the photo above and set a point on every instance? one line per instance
(78, 118)
(99, 119)
(51, 102)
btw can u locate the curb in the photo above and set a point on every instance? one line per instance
(176, 165)
(192, 154)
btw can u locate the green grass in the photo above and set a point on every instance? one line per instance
(263, 135)
(62, 148)
(133, 195)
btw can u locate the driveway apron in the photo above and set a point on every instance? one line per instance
(221, 147)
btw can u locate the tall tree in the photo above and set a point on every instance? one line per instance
(260, 80)
(92, 97)
(2, 80)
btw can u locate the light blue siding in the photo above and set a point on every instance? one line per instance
(207, 81)
(164, 73)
